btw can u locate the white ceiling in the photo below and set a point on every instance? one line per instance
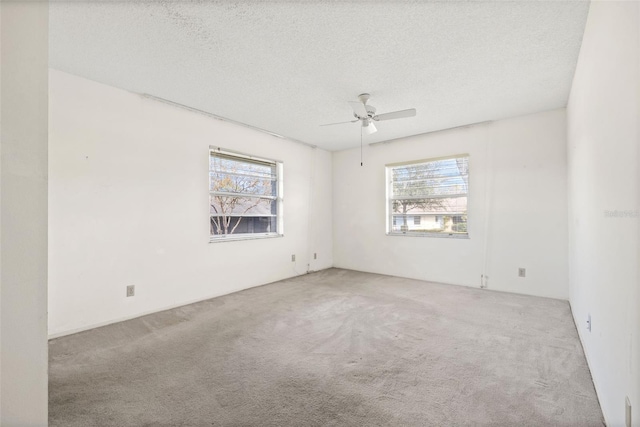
(288, 67)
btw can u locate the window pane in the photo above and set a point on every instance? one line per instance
(245, 184)
(446, 215)
(447, 224)
(228, 163)
(243, 195)
(241, 215)
(435, 178)
(439, 206)
(223, 205)
(242, 225)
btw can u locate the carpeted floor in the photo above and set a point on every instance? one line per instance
(333, 348)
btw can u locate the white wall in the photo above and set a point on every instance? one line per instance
(23, 200)
(128, 204)
(517, 208)
(603, 138)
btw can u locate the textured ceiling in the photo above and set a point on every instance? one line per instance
(288, 67)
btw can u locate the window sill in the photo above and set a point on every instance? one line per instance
(436, 235)
(240, 237)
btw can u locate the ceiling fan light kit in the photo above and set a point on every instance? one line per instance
(369, 127)
(366, 114)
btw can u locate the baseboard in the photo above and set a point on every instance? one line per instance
(165, 308)
(586, 356)
(472, 286)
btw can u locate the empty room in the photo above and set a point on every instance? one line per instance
(305, 213)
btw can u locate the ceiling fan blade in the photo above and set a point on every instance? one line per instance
(340, 123)
(370, 128)
(396, 115)
(358, 109)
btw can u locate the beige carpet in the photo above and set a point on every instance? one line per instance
(333, 348)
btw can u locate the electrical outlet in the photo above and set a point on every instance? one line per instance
(131, 290)
(315, 255)
(522, 272)
(589, 322)
(293, 258)
(627, 411)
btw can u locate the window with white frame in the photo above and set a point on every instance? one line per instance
(245, 196)
(434, 190)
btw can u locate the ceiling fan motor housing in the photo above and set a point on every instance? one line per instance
(371, 111)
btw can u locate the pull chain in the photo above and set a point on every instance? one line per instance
(360, 145)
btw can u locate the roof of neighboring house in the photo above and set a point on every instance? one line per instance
(243, 207)
(454, 206)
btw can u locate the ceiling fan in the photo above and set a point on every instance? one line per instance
(366, 114)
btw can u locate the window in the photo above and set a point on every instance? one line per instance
(245, 196)
(434, 192)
